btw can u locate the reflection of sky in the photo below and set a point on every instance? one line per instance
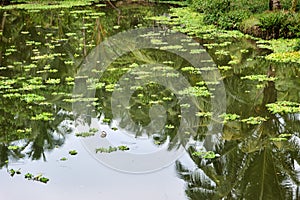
(143, 155)
(140, 145)
(82, 177)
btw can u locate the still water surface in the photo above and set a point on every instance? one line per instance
(181, 144)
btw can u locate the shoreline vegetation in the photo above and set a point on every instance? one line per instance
(275, 25)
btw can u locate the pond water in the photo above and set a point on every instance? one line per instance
(104, 103)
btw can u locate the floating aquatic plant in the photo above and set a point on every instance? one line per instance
(112, 149)
(229, 117)
(123, 148)
(63, 159)
(73, 152)
(205, 154)
(286, 57)
(14, 147)
(85, 134)
(12, 172)
(281, 137)
(170, 126)
(203, 114)
(284, 107)
(106, 150)
(259, 77)
(29, 98)
(195, 91)
(45, 116)
(254, 120)
(106, 120)
(91, 132)
(38, 177)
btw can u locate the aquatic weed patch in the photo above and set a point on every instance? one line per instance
(285, 57)
(46, 5)
(284, 50)
(284, 107)
(29, 176)
(111, 149)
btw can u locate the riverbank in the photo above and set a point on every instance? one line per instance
(186, 20)
(194, 20)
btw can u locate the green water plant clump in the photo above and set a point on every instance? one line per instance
(29, 176)
(283, 107)
(46, 4)
(283, 50)
(73, 152)
(38, 177)
(112, 149)
(91, 132)
(205, 154)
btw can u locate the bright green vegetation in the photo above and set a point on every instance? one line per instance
(243, 15)
(73, 152)
(194, 23)
(38, 71)
(91, 132)
(12, 172)
(254, 18)
(106, 150)
(63, 159)
(256, 147)
(29, 176)
(205, 155)
(123, 148)
(284, 107)
(38, 177)
(36, 5)
(261, 125)
(112, 149)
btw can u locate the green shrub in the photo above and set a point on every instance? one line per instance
(271, 20)
(233, 19)
(247, 24)
(210, 6)
(291, 26)
(297, 47)
(254, 6)
(233, 14)
(227, 14)
(280, 24)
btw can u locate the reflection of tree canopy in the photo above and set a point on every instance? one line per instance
(40, 51)
(257, 161)
(139, 120)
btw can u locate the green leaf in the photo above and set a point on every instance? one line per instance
(72, 152)
(43, 179)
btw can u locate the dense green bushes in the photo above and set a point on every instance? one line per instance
(273, 25)
(250, 16)
(297, 47)
(227, 14)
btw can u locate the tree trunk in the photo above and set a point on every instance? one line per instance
(274, 5)
(294, 5)
(4, 2)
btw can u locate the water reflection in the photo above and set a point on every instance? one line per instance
(40, 56)
(257, 161)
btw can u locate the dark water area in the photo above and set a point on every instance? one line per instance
(108, 104)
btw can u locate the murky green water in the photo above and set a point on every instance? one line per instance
(151, 113)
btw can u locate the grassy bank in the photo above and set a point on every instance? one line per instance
(192, 22)
(277, 30)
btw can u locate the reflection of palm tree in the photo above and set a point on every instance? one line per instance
(263, 174)
(45, 140)
(47, 137)
(6, 154)
(253, 166)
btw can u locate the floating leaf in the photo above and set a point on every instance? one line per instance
(73, 152)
